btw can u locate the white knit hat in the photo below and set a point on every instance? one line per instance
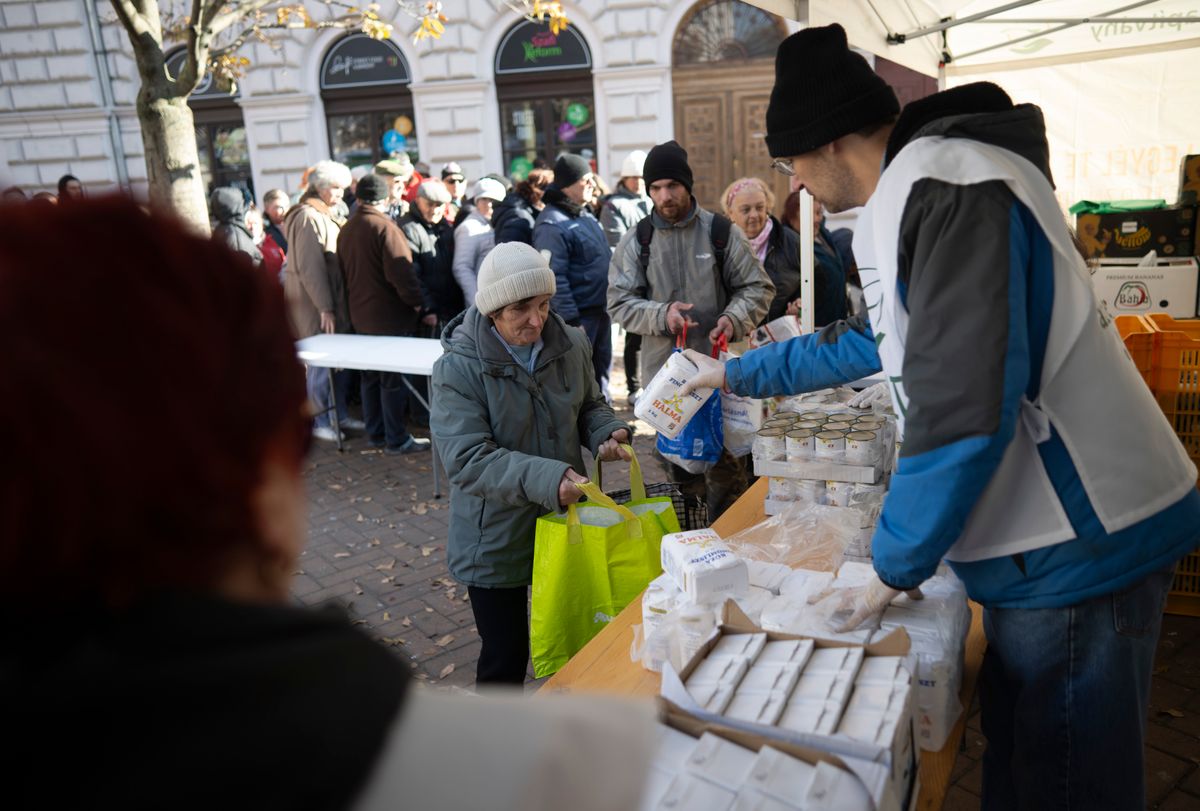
(633, 164)
(488, 188)
(512, 272)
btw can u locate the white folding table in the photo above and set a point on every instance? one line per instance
(376, 353)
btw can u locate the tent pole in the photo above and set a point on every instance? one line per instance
(807, 291)
(1055, 30)
(900, 39)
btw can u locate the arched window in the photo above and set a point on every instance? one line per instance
(726, 30)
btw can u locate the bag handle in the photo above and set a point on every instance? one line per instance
(637, 484)
(681, 337)
(633, 525)
(722, 345)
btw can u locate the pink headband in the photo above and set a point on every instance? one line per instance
(739, 187)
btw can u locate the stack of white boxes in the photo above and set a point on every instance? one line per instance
(715, 774)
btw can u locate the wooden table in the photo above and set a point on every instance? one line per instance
(604, 666)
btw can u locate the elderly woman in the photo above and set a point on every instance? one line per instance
(313, 282)
(749, 202)
(187, 672)
(474, 237)
(514, 399)
(514, 217)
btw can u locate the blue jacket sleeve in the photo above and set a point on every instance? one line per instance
(840, 353)
(969, 360)
(549, 237)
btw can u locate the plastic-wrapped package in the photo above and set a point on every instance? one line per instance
(807, 536)
(802, 584)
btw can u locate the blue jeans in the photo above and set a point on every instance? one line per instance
(317, 379)
(1064, 694)
(385, 407)
(598, 327)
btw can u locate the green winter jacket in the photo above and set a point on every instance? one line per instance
(507, 437)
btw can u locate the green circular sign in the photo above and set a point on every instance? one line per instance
(578, 114)
(518, 167)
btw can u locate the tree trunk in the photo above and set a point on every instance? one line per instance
(172, 162)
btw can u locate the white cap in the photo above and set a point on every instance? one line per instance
(633, 164)
(488, 188)
(512, 272)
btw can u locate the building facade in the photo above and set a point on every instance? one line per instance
(494, 93)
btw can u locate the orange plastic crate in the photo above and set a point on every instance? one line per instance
(1138, 334)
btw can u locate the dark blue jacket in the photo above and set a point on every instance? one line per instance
(980, 321)
(512, 220)
(579, 255)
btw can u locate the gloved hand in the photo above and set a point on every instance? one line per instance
(870, 601)
(711, 375)
(871, 395)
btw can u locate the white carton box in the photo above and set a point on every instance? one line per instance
(1126, 287)
(703, 567)
(662, 406)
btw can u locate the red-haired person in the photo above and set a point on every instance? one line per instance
(151, 653)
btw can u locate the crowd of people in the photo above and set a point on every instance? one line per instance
(70, 188)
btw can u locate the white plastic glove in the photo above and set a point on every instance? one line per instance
(711, 375)
(871, 395)
(870, 601)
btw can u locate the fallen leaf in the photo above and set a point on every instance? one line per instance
(359, 519)
(341, 554)
(445, 640)
(387, 617)
(1174, 713)
(446, 671)
(336, 487)
(357, 589)
(420, 509)
(358, 622)
(388, 566)
(387, 579)
(428, 610)
(426, 551)
(298, 571)
(367, 498)
(1161, 669)
(373, 542)
(392, 640)
(400, 545)
(450, 595)
(406, 622)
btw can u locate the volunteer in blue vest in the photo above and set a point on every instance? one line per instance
(1034, 460)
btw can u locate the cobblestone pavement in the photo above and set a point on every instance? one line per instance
(377, 546)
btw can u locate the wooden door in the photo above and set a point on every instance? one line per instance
(720, 119)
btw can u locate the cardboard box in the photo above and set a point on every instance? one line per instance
(892, 776)
(1171, 232)
(1189, 180)
(1126, 288)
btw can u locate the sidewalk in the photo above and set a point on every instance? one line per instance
(377, 545)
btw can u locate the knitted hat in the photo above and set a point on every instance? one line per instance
(569, 169)
(373, 189)
(668, 161)
(823, 90)
(634, 164)
(512, 272)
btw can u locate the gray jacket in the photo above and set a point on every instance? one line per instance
(681, 269)
(507, 437)
(622, 211)
(473, 238)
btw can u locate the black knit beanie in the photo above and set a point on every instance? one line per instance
(373, 188)
(569, 169)
(668, 161)
(823, 90)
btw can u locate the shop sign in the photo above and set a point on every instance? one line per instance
(360, 61)
(208, 89)
(532, 46)
(519, 167)
(578, 114)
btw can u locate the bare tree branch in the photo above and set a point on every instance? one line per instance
(131, 19)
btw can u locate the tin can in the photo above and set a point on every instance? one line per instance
(770, 444)
(830, 445)
(870, 423)
(814, 425)
(862, 447)
(843, 416)
(801, 444)
(809, 491)
(779, 421)
(843, 427)
(837, 494)
(814, 415)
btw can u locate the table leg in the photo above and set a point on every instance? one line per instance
(436, 459)
(333, 413)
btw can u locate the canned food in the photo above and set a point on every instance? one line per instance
(837, 494)
(814, 415)
(801, 444)
(830, 445)
(844, 427)
(843, 416)
(809, 491)
(877, 422)
(815, 425)
(862, 447)
(770, 443)
(779, 421)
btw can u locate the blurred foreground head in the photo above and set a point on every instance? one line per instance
(151, 407)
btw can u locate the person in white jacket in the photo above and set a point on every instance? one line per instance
(474, 237)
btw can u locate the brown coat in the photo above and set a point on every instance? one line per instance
(312, 279)
(381, 286)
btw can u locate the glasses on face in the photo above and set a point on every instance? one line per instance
(783, 166)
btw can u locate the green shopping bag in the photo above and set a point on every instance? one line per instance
(588, 564)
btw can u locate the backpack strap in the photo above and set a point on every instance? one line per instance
(645, 233)
(719, 236)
